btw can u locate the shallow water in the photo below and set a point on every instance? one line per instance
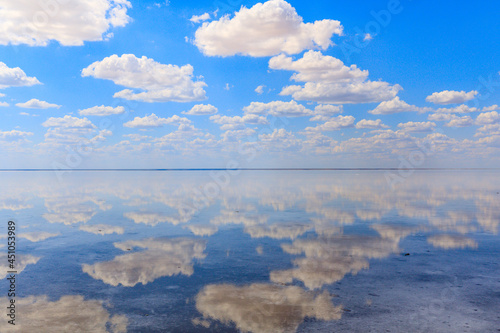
(259, 251)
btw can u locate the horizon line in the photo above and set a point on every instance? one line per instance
(247, 169)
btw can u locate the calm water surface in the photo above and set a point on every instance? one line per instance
(252, 251)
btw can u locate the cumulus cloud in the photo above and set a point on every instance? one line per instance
(156, 82)
(69, 23)
(153, 218)
(22, 261)
(371, 124)
(102, 229)
(203, 230)
(260, 89)
(487, 118)
(161, 257)
(396, 105)
(68, 314)
(278, 109)
(451, 97)
(458, 109)
(72, 130)
(316, 67)
(451, 242)
(238, 122)
(68, 122)
(4, 104)
(265, 29)
(277, 231)
(37, 236)
(14, 77)
(263, 307)
(328, 80)
(417, 126)
(329, 259)
(14, 135)
(153, 121)
(456, 121)
(200, 18)
(201, 110)
(102, 111)
(334, 124)
(37, 104)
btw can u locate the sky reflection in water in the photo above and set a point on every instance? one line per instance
(267, 252)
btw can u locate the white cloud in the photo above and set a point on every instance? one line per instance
(395, 106)
(456, 121)
(372, 124)
(14, 77)
(4, 104)
(37, 104)
(263, 307)
(201, 110)
(153, 121)
(451, 97)
(2, 95)
(237, 122)
(486, 108)
(158, 82)
(451, 242)
(315, 67)
(417, 126)
(102, 229)
(68, 122)
(14, 135)
(278, 109)
(329, 81)
(202, 230)
(487, 118)
(266, 29)
(102, 111)
(69, 22)
(161, 257)
(68, 314)
(453, 120)
(260, 89)
(334, 124)
(22, 261)
(458, 109)
(328, 109)
(200, 18)
(37, 236)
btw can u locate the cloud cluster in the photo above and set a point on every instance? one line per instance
(161, 257)
(14, 77)
(451, 97)
(14, 135)
(37, 104)
(153, 121)
(201, 110)
(238, 122)
(334, 124)
(68, 314)
(396, 105)
(278, 109)
(157, 82)
(102, 111)
(328, 80)
(266, 29)
(36, 23)
(263, 307)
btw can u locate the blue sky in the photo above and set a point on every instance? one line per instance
(129, 84)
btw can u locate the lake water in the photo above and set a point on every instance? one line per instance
(252, 251)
